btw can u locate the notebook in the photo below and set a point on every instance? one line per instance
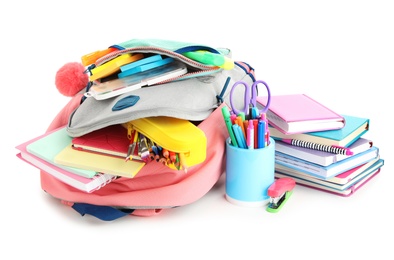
(299, 113)
(354, 128)
(50, 144)
(342, 178)
(345, 189)
(110, 140)
(326, 172)
(79, 182)
(321, 157)
(98, 162)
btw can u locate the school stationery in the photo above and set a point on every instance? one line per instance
(49, 145)
(354, 128)
(113, 66)
(146, 78)
(110, 140)
(65, 175)
(98, 162)
(249, 108)
(299, 113)
(156, 187)
(326, 172)
(318, 147)
(340, 179)
(210, 58)
(346, 189)
(145, 67)
(280, 192)
(321, 157)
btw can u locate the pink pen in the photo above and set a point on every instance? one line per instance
(250, 135)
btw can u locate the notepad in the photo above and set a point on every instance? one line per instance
(98, 162)
(299, 113)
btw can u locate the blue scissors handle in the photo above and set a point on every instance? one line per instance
(250, 96)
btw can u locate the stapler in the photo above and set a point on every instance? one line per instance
(279, 192)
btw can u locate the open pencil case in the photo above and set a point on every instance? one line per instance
(192, 96)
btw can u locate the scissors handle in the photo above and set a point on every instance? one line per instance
(246, 98)
(254, 95)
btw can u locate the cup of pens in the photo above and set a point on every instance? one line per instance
(250, 160)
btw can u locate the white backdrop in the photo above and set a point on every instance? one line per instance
(339, 52)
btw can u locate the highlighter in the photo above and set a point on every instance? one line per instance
(227, 121)
(210, 58)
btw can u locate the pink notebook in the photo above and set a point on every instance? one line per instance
(299, 113)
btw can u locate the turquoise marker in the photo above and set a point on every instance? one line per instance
(227, 120)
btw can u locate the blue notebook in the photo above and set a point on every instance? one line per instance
(53, 143)
(326, 172)
(354, 128)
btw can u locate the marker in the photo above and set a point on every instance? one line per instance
(239, 135)
(261, 134)
(210, 58)
(227, 120)
(250, 135)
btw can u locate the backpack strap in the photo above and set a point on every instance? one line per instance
(105, 213)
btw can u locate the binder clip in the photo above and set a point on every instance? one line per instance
(279, 192)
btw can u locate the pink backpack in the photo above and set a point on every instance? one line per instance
(156, 187)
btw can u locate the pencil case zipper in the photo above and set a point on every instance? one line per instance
(198, 69)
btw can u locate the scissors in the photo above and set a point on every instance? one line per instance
(250, 96)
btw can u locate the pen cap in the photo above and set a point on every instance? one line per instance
(249, 174)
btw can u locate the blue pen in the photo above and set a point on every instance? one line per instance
(261, 134)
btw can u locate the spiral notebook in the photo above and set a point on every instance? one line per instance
(64, 174)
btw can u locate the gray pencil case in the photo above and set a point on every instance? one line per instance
(192, 96)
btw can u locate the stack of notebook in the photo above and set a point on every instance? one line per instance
(320, 148)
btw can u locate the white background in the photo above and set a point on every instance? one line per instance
(339, 52)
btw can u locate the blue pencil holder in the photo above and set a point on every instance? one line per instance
(249, 173)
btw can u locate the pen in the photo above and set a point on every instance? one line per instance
(182, 160)
(133, 143)
(320, 147)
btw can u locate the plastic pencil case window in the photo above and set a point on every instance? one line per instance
(194, 96)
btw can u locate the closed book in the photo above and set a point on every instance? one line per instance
(321, 157)
(299, 113)
(345, 192)
(342, 178)
(110, 140)
(355, 127)
(326, 172)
